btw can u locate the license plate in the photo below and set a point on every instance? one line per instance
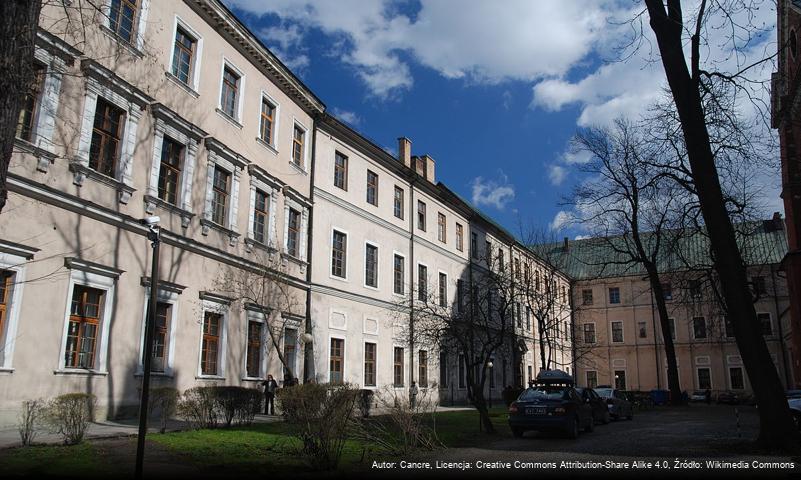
(535, 411)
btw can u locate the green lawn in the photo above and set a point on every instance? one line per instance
(46, 460)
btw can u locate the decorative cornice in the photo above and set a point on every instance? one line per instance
(262, 175)
(215, 297)
(226, 153)
(74, 263)
(355, 297)
(159, 110)
(166, 286)
(17, 249)
(105, 76)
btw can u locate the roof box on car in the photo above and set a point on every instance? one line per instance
(554, 376)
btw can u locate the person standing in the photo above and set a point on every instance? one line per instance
(413, 394)
(270, 386)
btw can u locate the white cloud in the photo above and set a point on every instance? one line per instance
(576, 158)
(556, 174)
(495, 193)
(347, 116)
(561, 220)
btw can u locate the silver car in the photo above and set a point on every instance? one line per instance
(617, 403)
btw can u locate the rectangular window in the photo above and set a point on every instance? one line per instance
(290, 340)
(442, 229)
(474, 244)
(398, 207)
(182, 56)
(592, 379)
(422, 283)
(230, 92)
(84, 326)
(695, 289)
(260, 217)
(221, 189)
(421, 215)
(443, 369)
(6, 285)
(293, 233)
(443, 290)
(122, 17)
(667, 291)
(518, 314)
(267, 121)
(643, 330)
(371, 265)
(253, 360)
(704, 379)
(26, 125)
(211, 343)
(765, 323)
(341, 171)
(614, 295)
(161, 336)
(620, 379)
(528, 318)
(336, 366)
(372, 188)
(106, 135)
(699, 327)
(422, 368)
(369, 364)
(397, 367)
(298, 145)
(459, 237)
(398, 275)
(488, 252)
(589, 333)
(339, 254)
(501, 263)
(617, 332)
(586, 296)
(516, 267)
(172, 154)
(736, 380)
(462, 371)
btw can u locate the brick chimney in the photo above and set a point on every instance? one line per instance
(430, 166)
(405, 151)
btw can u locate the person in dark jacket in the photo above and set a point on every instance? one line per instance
(270, 386)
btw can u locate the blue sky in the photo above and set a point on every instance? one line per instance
(492, 94)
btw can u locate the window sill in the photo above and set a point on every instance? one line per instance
(266, 145)
(252, 379)
(45, 157)
(339, 279)
(207, 225)
(77, 371)
(251, 244)
(81, 172)
(186, 87)
(152, 202)
(6, 371)
(122, 42)
(140, 374)
(209, 377)
(297, 167)
(297, 261)
(229, 118)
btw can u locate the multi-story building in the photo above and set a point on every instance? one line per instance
(175, 109)
(618, 338)
(786, 97)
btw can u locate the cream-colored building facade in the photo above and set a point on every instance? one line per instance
(176, 110)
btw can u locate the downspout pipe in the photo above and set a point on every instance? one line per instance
(308, 360)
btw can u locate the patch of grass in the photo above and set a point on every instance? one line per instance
(461, 428)
(49, 460)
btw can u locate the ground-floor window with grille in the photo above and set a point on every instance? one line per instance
(336, 360)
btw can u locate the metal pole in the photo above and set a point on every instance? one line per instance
(153, 236)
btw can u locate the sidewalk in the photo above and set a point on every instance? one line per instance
(9, 436)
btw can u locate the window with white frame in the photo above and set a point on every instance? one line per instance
(339, 254)
(299, 146)
(617, 332)
(255, 343)
(263, 200)
(111, 113)
(398, 274)
(213, 341)
(370, 265)
(13, 258)
(222, 190)
(268, 120)
(296, 225)
(699, 328)
(161, 361)
(232, 86)
(443, 289)
(127, 19)
(337, 360)
(186, 55)
(89, 311)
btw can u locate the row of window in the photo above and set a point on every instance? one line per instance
(694, 289)
(337, 364)
(703, 377)
(699, 328)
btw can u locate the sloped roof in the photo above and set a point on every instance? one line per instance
(761, 243)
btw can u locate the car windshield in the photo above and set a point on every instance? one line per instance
(604, 392)
(543, 393)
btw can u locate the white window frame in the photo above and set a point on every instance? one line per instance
(304, 167)
(729, 368)
(447, 290)
(405, 367)
(373, 341)
(47, 106)
(240, 92)
(706, 328)
(377, 265)
(296, 326)
(162, 296)
(272, 147)
(698, 376)
(208, 305)
(303, 234)
(344, 339)
(13, 263)
(258, 317)
(331, 254)
(417, 284)
(101, 278)
(271, 189)
(221, 156)
(403, 281)
(594, 332)
(139, 32)
(194, 84)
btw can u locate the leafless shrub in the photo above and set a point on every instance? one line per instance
(163, 402)
(28, 419)
(197, 407)
(69, 415)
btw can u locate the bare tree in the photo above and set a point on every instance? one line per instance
(689, 85)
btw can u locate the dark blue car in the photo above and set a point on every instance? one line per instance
(551, 404)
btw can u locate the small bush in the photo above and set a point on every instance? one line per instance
(197, 407)
(321, 415)
(237, 403)
(69, 415)
(251, 405)
(163, 402)
(28, 419)
(365, 402)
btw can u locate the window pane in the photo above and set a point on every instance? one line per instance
(338, 254)
(293, 233)
(267, 121)
(340, 171)
(371, 266)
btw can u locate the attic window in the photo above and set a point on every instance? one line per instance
(793, 44)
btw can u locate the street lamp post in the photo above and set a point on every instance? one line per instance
(153, 235)
(492, 373)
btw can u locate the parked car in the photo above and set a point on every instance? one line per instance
(617, 403)
(551, 404)
(600, 414)
(795, 411)
(728, 397)
(793, 394)
(698, 396)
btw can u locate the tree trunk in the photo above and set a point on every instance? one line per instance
(776, 424)
(483, 413)
(17, 40)
(664, 322)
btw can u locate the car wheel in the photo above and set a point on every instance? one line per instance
(590, 425)
(573, 431)
(517, 432)
(606, 419)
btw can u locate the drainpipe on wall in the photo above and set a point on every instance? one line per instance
(412, 265)
(308, 350)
